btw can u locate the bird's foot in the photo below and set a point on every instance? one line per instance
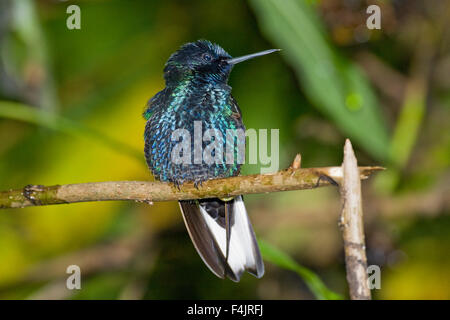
(198, 183)
(177, 184)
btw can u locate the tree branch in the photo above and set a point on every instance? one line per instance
(352, 227)
(292, 178)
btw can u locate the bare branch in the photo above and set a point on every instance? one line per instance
(352, 227)
(144, 191)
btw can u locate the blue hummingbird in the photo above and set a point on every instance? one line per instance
(196, 91)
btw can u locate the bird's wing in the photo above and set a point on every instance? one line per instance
(158, 100)
(234, 106)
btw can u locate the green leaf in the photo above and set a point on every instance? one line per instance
(312, 280)
(333, 84)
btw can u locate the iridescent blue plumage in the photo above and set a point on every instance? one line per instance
(197, 92)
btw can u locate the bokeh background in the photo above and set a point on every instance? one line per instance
(70, 112)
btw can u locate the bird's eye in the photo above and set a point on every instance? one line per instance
(206, 57)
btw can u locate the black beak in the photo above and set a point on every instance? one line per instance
(250, 56)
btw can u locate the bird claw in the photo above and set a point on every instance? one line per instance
(198, 183)
(177, 185)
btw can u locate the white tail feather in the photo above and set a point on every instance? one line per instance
(243, 252)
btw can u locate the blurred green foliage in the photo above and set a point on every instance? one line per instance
(334, 85)
(70, 111)
(51, 120)
(282, 260)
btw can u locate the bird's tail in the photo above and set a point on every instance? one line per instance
(223, 236)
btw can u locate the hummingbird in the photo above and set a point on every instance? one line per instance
(197, 91)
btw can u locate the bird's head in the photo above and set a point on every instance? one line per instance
(202, 60)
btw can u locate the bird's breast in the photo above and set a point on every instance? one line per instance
(192, 112)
